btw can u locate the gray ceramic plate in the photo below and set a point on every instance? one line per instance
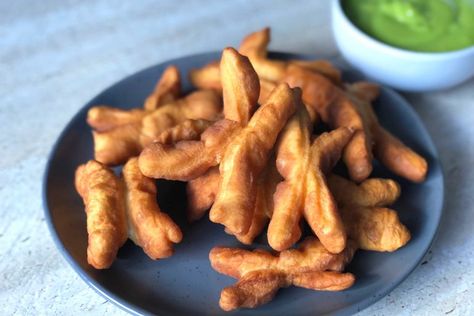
(185, 284)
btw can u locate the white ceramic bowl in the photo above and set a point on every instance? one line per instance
(399, 68)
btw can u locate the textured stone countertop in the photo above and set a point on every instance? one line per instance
(56, 55)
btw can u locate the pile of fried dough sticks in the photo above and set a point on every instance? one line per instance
(244, 143)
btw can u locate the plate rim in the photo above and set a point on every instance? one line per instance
(134, 309)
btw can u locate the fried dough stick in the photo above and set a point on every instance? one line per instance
(304, 190)
(115, 146)
(186, 130)
(201, 193)
(167, 90)
(367, 220)
(263, 208)
(245, 158)
(149, 228)
(241, 91)
(188, 160)
(104, 118)
(102, 193)
(340, 108)
(260, 274)
(254, 46)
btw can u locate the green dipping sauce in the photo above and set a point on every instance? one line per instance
(418, 25)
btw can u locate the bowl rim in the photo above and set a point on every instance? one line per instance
(393, 50)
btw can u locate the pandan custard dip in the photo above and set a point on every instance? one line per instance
(417, 25)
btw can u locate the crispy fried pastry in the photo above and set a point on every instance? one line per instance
(116, 146)
(201, 193)
(241, 91)
(304, 191)
(245, 158)
(207, 77)
(240, 86)
(187, 160)
(263, 209)
(104, 118)
(149, 228)
(367, 221)
(167, 90)
(339, 108)
(371, 192)
(102, 193)
(260, 274)
(201, 104)
(186, 130)
(255, 46)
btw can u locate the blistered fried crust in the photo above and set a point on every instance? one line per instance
(201, 104)
(186, 130)
(350, 108)
(397, 157)
(255, 46)
(103, 196)
(263, 209)
(103, 118)
(149, 228)
(201, 193)
(240, 86)
(372, 226)
(167, 90)
(206, 77)
(245, 158)
(116, 146)
(304, 192)
(260, 274)
(187, 160)
(371, 192)
(375, 228)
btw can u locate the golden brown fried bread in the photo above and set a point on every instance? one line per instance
(201, 104)
(304, 191)
(371, 192)
(240, 86)
(116, 146)
(207, 77)
(167, 90)
(371, 225)
(397, 157)
(322, 93)
(340, 108)
(375, 228)
(245, 158)
(149, 228)
(263, 209)
(187, 160)
(103, 196)
(260, 274)
(201, 193)
(186, 130)
(103, 118)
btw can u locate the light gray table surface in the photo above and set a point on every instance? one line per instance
(56, 55)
